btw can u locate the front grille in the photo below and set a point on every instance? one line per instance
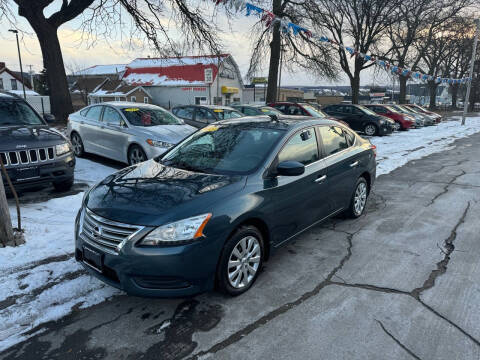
(105, 233)
(25, 157)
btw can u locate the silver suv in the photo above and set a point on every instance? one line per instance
(125, 131)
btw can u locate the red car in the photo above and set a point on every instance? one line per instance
(402, 121)
(418, 108)
(302, 109)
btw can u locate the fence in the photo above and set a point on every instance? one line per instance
(40, 103)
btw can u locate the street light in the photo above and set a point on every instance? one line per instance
(20, 60)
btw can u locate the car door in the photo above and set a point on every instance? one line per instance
(295, 202)
(114, 134)
(91, 127)
(342, 162)
(203, 117)
(335, 111)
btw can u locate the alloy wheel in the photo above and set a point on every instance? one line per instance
(77, 145)
(244, 262)
(360, 198)
(397, 126)
(137, 156)
(370, 130)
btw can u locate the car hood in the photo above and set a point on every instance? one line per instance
(169, 133)
(26, 137)
(152, 194)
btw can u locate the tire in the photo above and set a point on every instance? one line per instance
(370, 129)
(64, 185)
(77, 144)
(397, 126)
(136, 155)
(246, 271)
(359, 199)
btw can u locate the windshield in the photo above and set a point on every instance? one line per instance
(18, 113)
(267, 110)
(234, 149)
(313, 112)
(225, 114)
(143, 116)
(402, 109)
(367, 110)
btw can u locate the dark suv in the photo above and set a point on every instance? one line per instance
(33, 153)
(360, 118)
(202, 115)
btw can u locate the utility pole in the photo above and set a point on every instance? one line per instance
(472, 62)
(31, 77)
(20, 61)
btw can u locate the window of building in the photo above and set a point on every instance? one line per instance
(1, 84)
(301, 147)
(14, 84)
(133, 99)
(145, 100)
(200, 100)
(333, 139)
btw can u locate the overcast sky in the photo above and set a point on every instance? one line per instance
(81, 55)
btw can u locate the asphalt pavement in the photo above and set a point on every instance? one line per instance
(401, 282)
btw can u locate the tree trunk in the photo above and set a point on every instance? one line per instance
(60, 99)
(432, 88)
(6, 231)
(454, 96)
(355, 86)
(275, 49)
(403, 90)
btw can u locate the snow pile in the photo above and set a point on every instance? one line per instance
(101, 70)
(41, 280)
(175, 61)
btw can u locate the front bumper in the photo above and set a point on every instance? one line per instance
(62, 169)
(169, 271)
(153, 151)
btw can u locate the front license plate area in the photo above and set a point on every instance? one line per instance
(27, 173)
(93, 259)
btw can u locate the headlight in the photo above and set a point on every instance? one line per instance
(80, 221)
(158, 143)
(381, 121)
(62, 148)
(187, 229)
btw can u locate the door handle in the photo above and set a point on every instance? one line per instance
(354, 164)
(321, 179)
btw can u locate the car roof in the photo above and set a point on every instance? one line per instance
(282, 121)
(6, 96)
(122, 104)
(253, 105)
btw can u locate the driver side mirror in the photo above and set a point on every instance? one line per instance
(290, 168)
(49, 117)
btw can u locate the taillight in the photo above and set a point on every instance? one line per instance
(374, 149)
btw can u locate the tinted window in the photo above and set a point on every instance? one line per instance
(94, 113)
(18, 113)
(186, 112)
(111, 116)
(249, 111)
(203, 115)
(224, 114)
(380, 110)
(344, 109)
(220, 149)
(333, 139)
(357, 111)
(149, 116)
(301, 147)
(294, 110)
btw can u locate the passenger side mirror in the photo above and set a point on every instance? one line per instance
(49, 117)
(290, 168)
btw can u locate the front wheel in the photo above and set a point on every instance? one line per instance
(77, 145)
(397, 126)
(64, 185)
(241, 261)
(136, 155)
(359, 199)
(370, 130)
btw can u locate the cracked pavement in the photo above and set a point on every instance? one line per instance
(401, 282)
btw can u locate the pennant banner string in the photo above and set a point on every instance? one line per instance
(269, 18)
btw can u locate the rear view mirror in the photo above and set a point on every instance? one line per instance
(49, 117)
(290, 168)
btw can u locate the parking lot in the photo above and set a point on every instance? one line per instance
(397, 283)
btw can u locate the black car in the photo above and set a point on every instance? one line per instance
(202, 115)
(213, 208)
(252, 110)
(33, 153)
(359, 118)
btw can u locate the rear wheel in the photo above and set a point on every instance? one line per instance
(359, 198)
(370, 129)
(241, 261)
(77, 144)
(397, 126)
(136, 155)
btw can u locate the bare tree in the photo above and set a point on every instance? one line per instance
(295, 46)
(360, 24)
(103, 17)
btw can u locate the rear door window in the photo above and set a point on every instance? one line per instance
(94, 113)
(111, 116)
(333, 139)
(301, 147)
(204, 116)
(185, 113)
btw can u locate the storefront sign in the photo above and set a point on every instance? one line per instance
(229, 90)
(194, 89)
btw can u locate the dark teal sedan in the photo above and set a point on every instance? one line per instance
(212, 209)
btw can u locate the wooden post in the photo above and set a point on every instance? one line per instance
(6, 231)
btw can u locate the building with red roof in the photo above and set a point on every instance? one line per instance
(171, 81)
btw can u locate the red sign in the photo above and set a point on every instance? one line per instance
(194, 89)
